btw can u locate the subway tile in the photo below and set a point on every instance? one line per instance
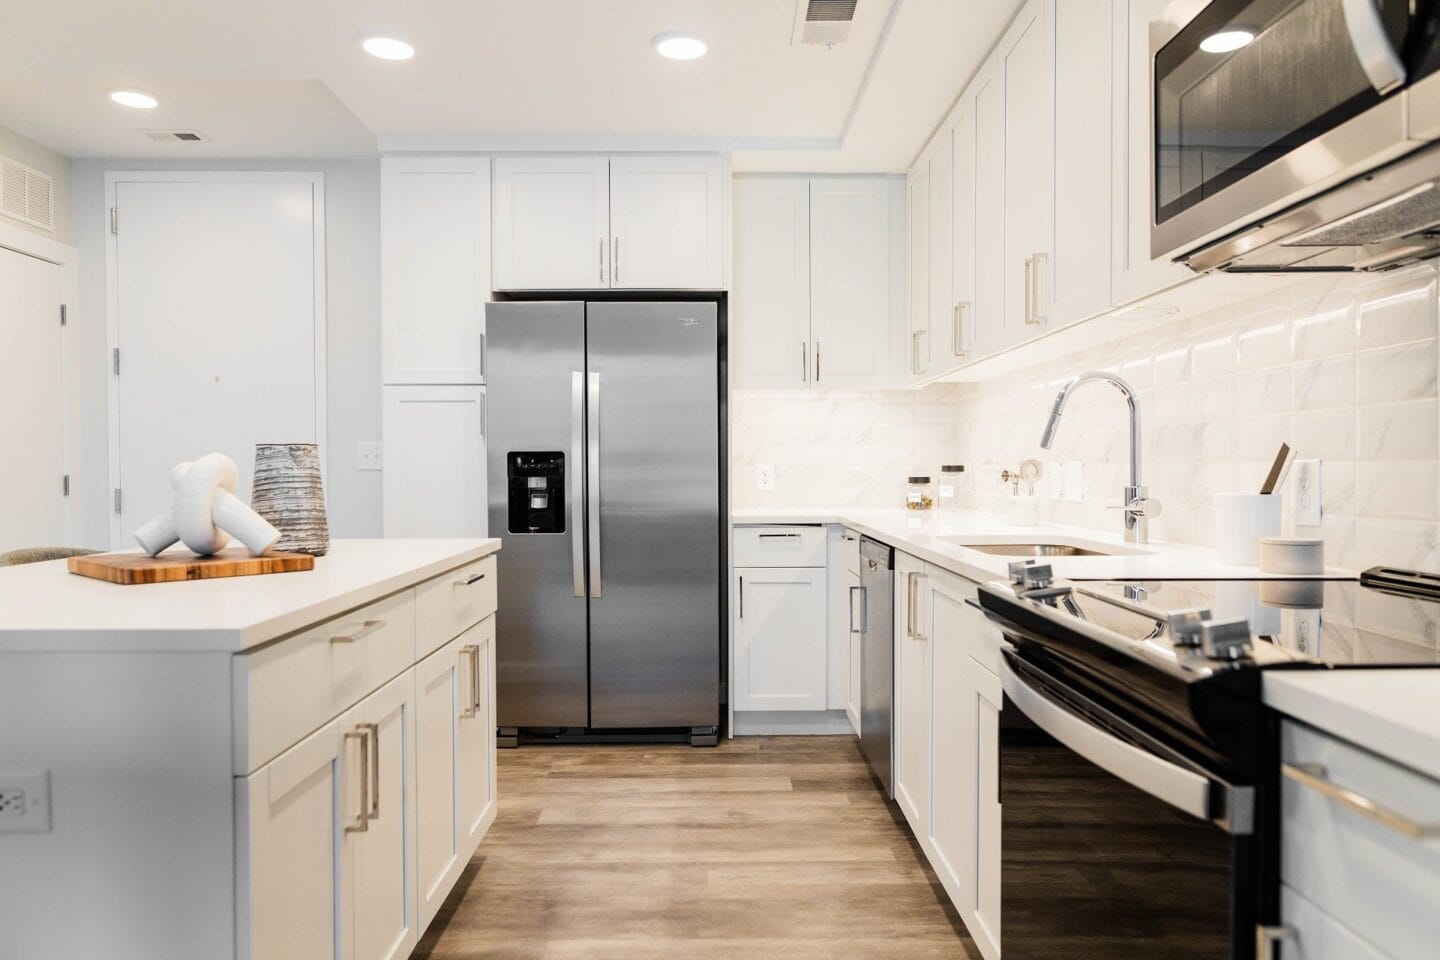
(1397, 431)
(1399, 490)
(1401, 543)
(1213, 358)
(1398, 311)
(1267, 346)
(1326, 332)
(1324, 433)
(1406, 372)
(1323, 384)
(1262, 393)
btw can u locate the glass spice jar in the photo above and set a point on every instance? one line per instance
(951, 476)
(917, 494)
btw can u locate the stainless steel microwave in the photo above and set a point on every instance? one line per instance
(1295, 135)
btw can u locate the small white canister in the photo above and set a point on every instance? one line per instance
(1241, 520)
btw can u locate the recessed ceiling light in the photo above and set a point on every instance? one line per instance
(388, 48)
(680, 46)
(1226, 41)
(132, 98)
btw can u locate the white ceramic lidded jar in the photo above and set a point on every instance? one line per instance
(917, 494)
(951, 477)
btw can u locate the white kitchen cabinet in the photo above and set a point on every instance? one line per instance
(552, 223)
(855, 614)
(917, 206)
(849, 280)
(378, 853)
(993, 328)
(667, 222)
(811, 302)
(1025, 63)
(454, 760)
(780, 638)
(435, 268)
(843, 620)
(770, 302)
(434, 461)
(1135, 273)
(911, 729)
(955, 338)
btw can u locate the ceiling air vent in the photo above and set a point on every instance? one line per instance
(172, 136)
(26, 194)
(823, 21)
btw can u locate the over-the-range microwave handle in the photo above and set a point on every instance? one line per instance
(1378, 57)
(576, 472)
(1183, 789)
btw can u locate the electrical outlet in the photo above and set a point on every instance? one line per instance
(1307, 493)
(367, 456)
(24, 802)
(764, 477)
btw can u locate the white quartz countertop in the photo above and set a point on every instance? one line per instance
(45, 608)
(1389, 712)
(930, 535)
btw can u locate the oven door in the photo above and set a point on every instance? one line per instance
(1244, 128)
(1110, 845)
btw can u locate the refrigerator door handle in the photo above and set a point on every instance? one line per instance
(592, 471)
(577, 498)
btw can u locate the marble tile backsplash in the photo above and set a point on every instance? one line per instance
(1343, 369)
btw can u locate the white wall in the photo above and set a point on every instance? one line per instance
(352, 264)
(50, 163)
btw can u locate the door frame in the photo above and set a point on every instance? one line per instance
(316, 180)
(27, 243)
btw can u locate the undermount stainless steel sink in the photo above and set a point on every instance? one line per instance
(1033, 549)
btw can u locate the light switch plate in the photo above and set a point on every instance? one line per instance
(1307, 493)
(764, 477)
(367, 456)
(24, 802)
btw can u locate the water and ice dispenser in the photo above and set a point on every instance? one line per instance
(536, 483)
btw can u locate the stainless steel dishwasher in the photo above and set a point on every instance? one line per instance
(877, 657)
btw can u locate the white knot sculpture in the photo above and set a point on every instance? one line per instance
(206, 513)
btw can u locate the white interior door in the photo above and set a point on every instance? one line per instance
(217, 308)
(32, 404)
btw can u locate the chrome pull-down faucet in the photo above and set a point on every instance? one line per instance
(1138, 507)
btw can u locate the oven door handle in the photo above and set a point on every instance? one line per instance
(1183, 789)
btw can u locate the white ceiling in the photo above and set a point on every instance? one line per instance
(286, 78)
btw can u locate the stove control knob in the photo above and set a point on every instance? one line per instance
(1017, 571)
(1225, 639)
(1185, 626)
(1038, 576)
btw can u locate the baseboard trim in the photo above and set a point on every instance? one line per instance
(754, 723)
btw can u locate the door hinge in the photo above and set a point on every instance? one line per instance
(114, 223)
(115, 357)
(117, 499)
(65, 485)
(62, 314)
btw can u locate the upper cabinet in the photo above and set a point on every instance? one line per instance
(811, 303)
(435, 268)
(586, 223)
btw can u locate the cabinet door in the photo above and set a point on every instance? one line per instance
(441, 690)
(1025, 61)
(849, 282)
(1136, 275)
(552, 223)
(1080, 278)
(378, 859)
(667, 223)
(958, 339)
(291, 899)
(770, 302)
(984, 698)
(434, 476)
(475, 757)
(993, 327)
(940, 301)
(855, 613)
(780, 638)
(917, 205)
(435, 268)
(912, 697)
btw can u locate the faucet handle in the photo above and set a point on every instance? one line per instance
(1147, 508)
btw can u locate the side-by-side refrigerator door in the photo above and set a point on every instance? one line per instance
(536, 393)
(654, 496)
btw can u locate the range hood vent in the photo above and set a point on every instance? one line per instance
(823, 21)
(26, 194)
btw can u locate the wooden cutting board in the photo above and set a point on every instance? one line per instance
(132, 568)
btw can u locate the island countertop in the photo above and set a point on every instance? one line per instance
(45, 608)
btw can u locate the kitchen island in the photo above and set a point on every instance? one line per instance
(292, 765)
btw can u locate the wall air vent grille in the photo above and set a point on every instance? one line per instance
(823, 21)
(26, 194)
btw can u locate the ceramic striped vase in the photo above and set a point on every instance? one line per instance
(288, 492)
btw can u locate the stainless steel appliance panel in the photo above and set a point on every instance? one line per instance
(877, 658)
(653, 499)
(536, 365)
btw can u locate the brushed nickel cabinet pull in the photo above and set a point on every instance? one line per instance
(369, 627)
(779, 536)
(1313, 775)
(472, 653)
(362, 821)
(615, 264)
(957, 332)
(602, 260)
(742, 598)
(374, 731)
(467, 581)
(817, 361)
(1039, 310)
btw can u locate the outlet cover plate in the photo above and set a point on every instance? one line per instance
(367, 456)
(764, 477)
(24, 802)
(1307, 493)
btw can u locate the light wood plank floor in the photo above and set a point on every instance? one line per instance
(764, 847)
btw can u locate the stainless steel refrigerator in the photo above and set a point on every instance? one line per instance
(605, 484)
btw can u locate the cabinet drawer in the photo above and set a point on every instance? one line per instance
(286, 690)
(1368, 875)
(1317, 935)
(850, 550)
(453, 603)
(779, 546)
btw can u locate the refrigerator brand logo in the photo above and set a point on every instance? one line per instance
(689, 321)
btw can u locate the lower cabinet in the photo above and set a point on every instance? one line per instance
(854, 623)
(911, 730)
(780, 638)
(455, 772)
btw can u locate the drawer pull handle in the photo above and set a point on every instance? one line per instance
(1313, 775)
(779, 536)
(362, 820)
(370, 627)
(472, 653)
(467, 581)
